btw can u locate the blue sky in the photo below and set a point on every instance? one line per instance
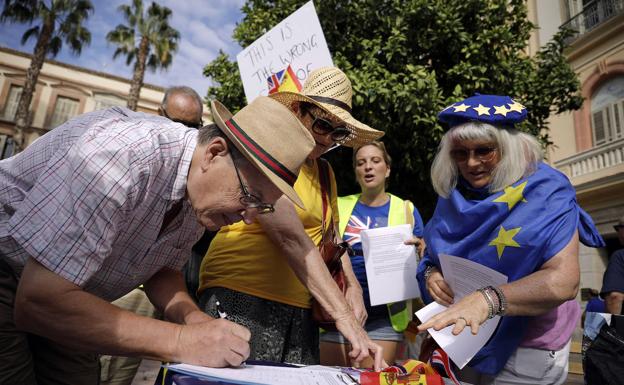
(205, 26)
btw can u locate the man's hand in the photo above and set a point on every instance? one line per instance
(361, 346)
(215, 343)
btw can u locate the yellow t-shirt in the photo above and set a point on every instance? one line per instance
(243, 258)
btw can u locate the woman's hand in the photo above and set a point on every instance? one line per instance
(355, 299)
(419, 243)
(438, 289)
(472, 310)
(361, 345)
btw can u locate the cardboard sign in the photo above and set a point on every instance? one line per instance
(297, 41)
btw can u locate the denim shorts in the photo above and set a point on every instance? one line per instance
(378, 329)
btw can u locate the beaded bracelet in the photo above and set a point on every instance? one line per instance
(502, 307)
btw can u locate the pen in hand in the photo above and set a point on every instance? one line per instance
(222, 313)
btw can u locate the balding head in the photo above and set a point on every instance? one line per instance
(182, 105)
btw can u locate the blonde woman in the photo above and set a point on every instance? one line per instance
(372, 208)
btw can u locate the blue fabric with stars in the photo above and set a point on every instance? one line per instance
(492, 109)
(514, 232)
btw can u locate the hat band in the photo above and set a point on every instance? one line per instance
(332, 101)
(260, 154)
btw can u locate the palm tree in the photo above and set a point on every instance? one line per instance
(148, 40)
(55, 21)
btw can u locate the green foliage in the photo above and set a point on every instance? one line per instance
(66, 16)
(153, 25)
(407, 60)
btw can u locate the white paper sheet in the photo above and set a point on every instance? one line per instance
(270, 375)
(464, 277)
(390, 264)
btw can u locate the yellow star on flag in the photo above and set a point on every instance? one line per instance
(482, 110)
(461, 108)
(517, 107)
(512, 195)
(501, 110)
(504, 239)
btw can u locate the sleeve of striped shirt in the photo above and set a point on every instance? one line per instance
(73, 214)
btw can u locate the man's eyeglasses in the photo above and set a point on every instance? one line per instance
(198, 125)
(482, 154)
(251, 201)
(323, 126)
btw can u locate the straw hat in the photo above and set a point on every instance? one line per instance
(271, 137)
(329, 89)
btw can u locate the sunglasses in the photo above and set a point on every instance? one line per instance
(197, 125)
(482, 154)
(322, 126)
(251, 201)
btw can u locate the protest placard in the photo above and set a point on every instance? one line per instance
(297, 41)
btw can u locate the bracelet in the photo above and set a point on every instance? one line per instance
(502, 306)
(489, 301)
(428, 272)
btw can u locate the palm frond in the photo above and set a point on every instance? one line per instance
(31, 32)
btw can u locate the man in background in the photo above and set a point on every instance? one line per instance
(182, 104)
(613, 279)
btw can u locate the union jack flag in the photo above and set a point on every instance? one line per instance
(284, 80)
(353, 229)
(442, 364)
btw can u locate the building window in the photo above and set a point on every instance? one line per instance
(6, 146)
(10, 108)
(607, 106)
(64, 109)
(107, 101)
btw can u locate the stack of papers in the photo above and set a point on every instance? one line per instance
(268, 375)
(464, 277)
(390, 264)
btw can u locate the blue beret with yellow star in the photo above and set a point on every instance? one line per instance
(492, 109)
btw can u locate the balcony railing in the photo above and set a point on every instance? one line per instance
(592, 15)
(596, 159)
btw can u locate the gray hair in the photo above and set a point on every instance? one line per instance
(210, 131)
(519, 154)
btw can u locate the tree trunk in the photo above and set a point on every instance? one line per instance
(23, 117)
(139, 72)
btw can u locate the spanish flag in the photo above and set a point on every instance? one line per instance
(284, 80)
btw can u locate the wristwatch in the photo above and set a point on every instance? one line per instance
(428, 272)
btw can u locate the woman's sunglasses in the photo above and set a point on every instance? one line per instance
(482, 154)
(322, 126)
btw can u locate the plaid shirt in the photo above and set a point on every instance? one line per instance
(87, 200)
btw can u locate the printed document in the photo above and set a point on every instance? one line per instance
(464, 277)
(269, 375)
(390, 264)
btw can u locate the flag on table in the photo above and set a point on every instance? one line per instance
(284, 80)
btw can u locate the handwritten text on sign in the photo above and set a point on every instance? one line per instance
(297, 40)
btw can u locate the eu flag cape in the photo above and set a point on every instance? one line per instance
(515, 232)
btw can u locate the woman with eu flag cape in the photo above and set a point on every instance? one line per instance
(502, 207)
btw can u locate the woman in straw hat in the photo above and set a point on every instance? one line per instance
(502, 207)
(265, 274)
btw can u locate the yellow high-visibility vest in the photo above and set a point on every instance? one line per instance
(399, 315)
